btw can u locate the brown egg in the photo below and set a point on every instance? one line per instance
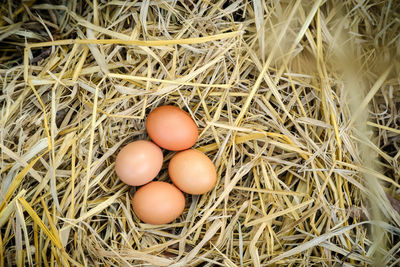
(138, 162)
(171, 128)
(158, 203)
(192, 172)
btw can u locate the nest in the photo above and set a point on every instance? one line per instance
(297, 104)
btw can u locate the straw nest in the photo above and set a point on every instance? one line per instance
(297, 104)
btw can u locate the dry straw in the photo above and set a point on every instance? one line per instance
(297, 103)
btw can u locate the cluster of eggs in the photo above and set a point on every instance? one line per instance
(190, 170)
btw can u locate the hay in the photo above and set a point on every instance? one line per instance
(297, 104)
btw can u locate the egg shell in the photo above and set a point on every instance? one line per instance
(158, 203)
(138, 162)
(171, 128)
(192, 172)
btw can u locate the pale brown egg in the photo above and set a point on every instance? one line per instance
(171, 128)
(158, 203)
(192, 172)
(138, 162)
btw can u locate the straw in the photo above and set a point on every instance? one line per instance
(297, 104)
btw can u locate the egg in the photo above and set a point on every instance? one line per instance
(158, 203)
(192, 172)
(171, 128)
(138, 162)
